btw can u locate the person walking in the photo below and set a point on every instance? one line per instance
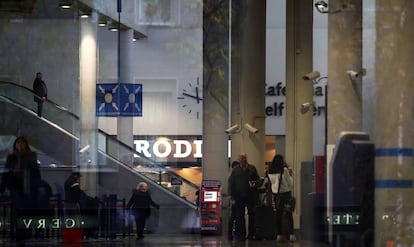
(242, 189)
(139, 205)
(281, 185)
(40, 90)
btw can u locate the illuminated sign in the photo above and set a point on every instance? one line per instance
(349, 218)
(344, 219)
(179, 148)
(43, 222)
(210, 196)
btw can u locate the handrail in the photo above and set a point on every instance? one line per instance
(62, 108)
(133, 151)
(107, 137)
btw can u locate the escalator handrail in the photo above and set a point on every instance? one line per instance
(133, 151)
(150, 180)
(62, 108)
(126, 166)
(107, 136)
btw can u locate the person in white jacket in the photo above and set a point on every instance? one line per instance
(281, 185)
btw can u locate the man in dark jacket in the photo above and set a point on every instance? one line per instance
(242, 189)
(40, 89)
(73, 194)
(139, 205)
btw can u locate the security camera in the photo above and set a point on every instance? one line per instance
(306, 105)
(251, 129)
(353, 75)
(233, 129)
(311, 76)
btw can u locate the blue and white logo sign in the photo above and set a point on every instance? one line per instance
(107, 99)
(130, 99)
(118, 99)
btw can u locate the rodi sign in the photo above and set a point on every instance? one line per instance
(163, 148)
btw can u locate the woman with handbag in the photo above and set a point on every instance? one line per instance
(281, 186)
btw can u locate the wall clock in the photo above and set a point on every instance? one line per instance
(190, 99)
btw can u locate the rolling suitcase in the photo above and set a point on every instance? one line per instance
(265, 222)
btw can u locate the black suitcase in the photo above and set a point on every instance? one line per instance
(265, 222)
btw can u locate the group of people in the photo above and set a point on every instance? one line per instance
(30, 194)
(243, 190)
(139, 204)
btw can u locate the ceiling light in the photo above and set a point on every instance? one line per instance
(113, 29)
(84, 14)
(65, 4)
(102, 22)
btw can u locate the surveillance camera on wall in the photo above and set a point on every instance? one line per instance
(305, 107)
(233, 129)
(251, 129)
(353, 75)
(312, 76)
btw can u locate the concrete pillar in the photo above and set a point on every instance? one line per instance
(299, 127)
(345, 53)
(125, 124)
(88, 122)
(248, 84)
(394, 132)
(216, 111)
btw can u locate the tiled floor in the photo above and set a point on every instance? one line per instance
(185, 240)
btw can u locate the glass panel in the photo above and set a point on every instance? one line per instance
(53, 112)
(144, 166)
(111, 151)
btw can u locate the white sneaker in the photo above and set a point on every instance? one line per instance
(292, 238)
(280, 238)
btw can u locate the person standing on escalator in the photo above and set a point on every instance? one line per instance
(40, 90)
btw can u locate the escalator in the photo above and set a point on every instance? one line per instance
(55, 137)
